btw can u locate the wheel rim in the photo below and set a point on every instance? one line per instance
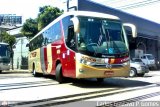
(34, 72)
(132, 73)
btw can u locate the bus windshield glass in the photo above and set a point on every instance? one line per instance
(101, 37)
(4, 50)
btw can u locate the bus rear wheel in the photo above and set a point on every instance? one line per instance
(34, 71)
(59, 76)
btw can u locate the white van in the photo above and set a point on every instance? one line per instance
(149, 60)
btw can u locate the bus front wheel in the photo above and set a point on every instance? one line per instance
(59, 76)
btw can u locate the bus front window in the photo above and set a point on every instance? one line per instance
(4, 52)
(101, 37)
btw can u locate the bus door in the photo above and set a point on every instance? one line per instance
(45, 54)
(43, 58)
(71, 44)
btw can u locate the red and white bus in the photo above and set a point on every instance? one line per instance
(81, 44)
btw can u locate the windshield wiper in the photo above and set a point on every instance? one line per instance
(103, 32)
(114, 45)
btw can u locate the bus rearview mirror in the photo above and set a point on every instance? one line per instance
(76, 24)
(133, 29)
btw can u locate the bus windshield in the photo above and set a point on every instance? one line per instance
(4, 50)
(101, 37)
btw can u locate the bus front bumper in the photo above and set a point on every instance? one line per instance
(85, 71)
(4, 66)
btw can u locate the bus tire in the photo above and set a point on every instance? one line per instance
(59, 76)
(34, 71)
(0, 71)
(100, 79)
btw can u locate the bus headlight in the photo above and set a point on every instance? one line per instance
(126, 63)
(82, 61)
(78, 56)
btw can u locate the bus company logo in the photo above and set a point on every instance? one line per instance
(89, 59)
(33, 54)
(108, 66)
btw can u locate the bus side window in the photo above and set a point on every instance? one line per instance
(30, 47)
(66, 24)
(71, 38)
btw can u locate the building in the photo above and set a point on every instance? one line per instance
(21, 50)
(12, 24)
(10, 19)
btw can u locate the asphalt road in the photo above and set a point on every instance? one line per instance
(22, 89)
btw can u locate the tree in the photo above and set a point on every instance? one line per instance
(30, 28)
(47, 14)
(11, 40)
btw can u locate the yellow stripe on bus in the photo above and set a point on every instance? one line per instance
(49, 57)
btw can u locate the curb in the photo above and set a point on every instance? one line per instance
(19, 70)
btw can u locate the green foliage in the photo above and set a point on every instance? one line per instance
(30, 28)
(47, 14)
(11, 40)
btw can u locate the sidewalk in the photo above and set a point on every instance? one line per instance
(19, 70)
(157, 73)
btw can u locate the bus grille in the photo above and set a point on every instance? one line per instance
(112, 66)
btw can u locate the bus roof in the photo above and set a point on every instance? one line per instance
(2, 43)
(79, 13)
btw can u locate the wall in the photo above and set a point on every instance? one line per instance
(20, 58)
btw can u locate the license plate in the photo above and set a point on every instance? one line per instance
(108, 73)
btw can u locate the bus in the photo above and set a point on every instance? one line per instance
(81, 44)
(4, 56)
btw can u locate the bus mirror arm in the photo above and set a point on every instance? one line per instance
(133, 29)
(76, 24)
